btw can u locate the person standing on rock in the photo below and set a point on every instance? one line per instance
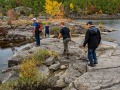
(47, 30)
(93, 39)
(66, 34)
(36, 32)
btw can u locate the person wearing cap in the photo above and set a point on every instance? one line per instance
(93, 39)
(66, 34)
(36, 32)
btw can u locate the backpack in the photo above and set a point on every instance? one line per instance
(40, 27)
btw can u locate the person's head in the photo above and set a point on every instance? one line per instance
(89, 24)
(62, 24)
(34, 19)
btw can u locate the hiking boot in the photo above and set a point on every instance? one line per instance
(92, 65)
(64, 52)
(67, 56)
(96, 62)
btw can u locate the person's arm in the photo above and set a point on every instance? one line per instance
(60, 34)
(86, 38)
(99, 36)
(34, 28)
(34, 25)
(70, 36)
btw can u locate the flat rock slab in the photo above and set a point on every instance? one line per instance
(106, 63)
(104, 79)
(110, 44)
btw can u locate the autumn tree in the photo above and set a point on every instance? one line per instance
(53, 8)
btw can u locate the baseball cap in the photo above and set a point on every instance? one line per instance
(90, 22)
(34, 19)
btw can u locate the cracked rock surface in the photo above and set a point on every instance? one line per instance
(104, 76)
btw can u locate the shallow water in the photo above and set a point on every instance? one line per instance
(7, 53)
(114, 24)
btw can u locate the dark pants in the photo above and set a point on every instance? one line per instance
(46, 34)
(37, 38)
(92, 56)
(65, 42)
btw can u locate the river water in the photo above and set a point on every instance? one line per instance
(114, 24)
(5, 54)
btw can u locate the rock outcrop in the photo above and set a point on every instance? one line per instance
(61, 71)
(105, 76)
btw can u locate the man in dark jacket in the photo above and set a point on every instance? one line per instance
(93, 39)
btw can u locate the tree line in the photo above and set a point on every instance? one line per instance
(79, 7)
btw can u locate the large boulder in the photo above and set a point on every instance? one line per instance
(76, 69)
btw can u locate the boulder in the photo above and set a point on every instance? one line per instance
(63, 67)
(52, 80)
(54, 66)
(4, 77)
(75, 69)
(49, 61)
(44, 71)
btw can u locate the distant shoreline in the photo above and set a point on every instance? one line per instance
(97, 17)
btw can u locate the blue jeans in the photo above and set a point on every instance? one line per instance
(37, 38)
(92, 56)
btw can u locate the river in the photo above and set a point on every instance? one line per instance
(7, 53)
(114, 24)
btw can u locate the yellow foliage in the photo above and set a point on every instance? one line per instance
(100, 11)
(28, 70)
(52, 7)
(31, 16)
(71, 6)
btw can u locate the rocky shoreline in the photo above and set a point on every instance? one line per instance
(73, 73)
(67, 72)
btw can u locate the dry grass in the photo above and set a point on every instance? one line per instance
(22, 22)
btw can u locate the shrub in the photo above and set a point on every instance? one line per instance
(7, 86)
(55, 31)
(28, 70)
(41, 55)
(29, 77)
(45, 23)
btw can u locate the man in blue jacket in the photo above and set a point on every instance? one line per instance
(36, 32)
(93, 39)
